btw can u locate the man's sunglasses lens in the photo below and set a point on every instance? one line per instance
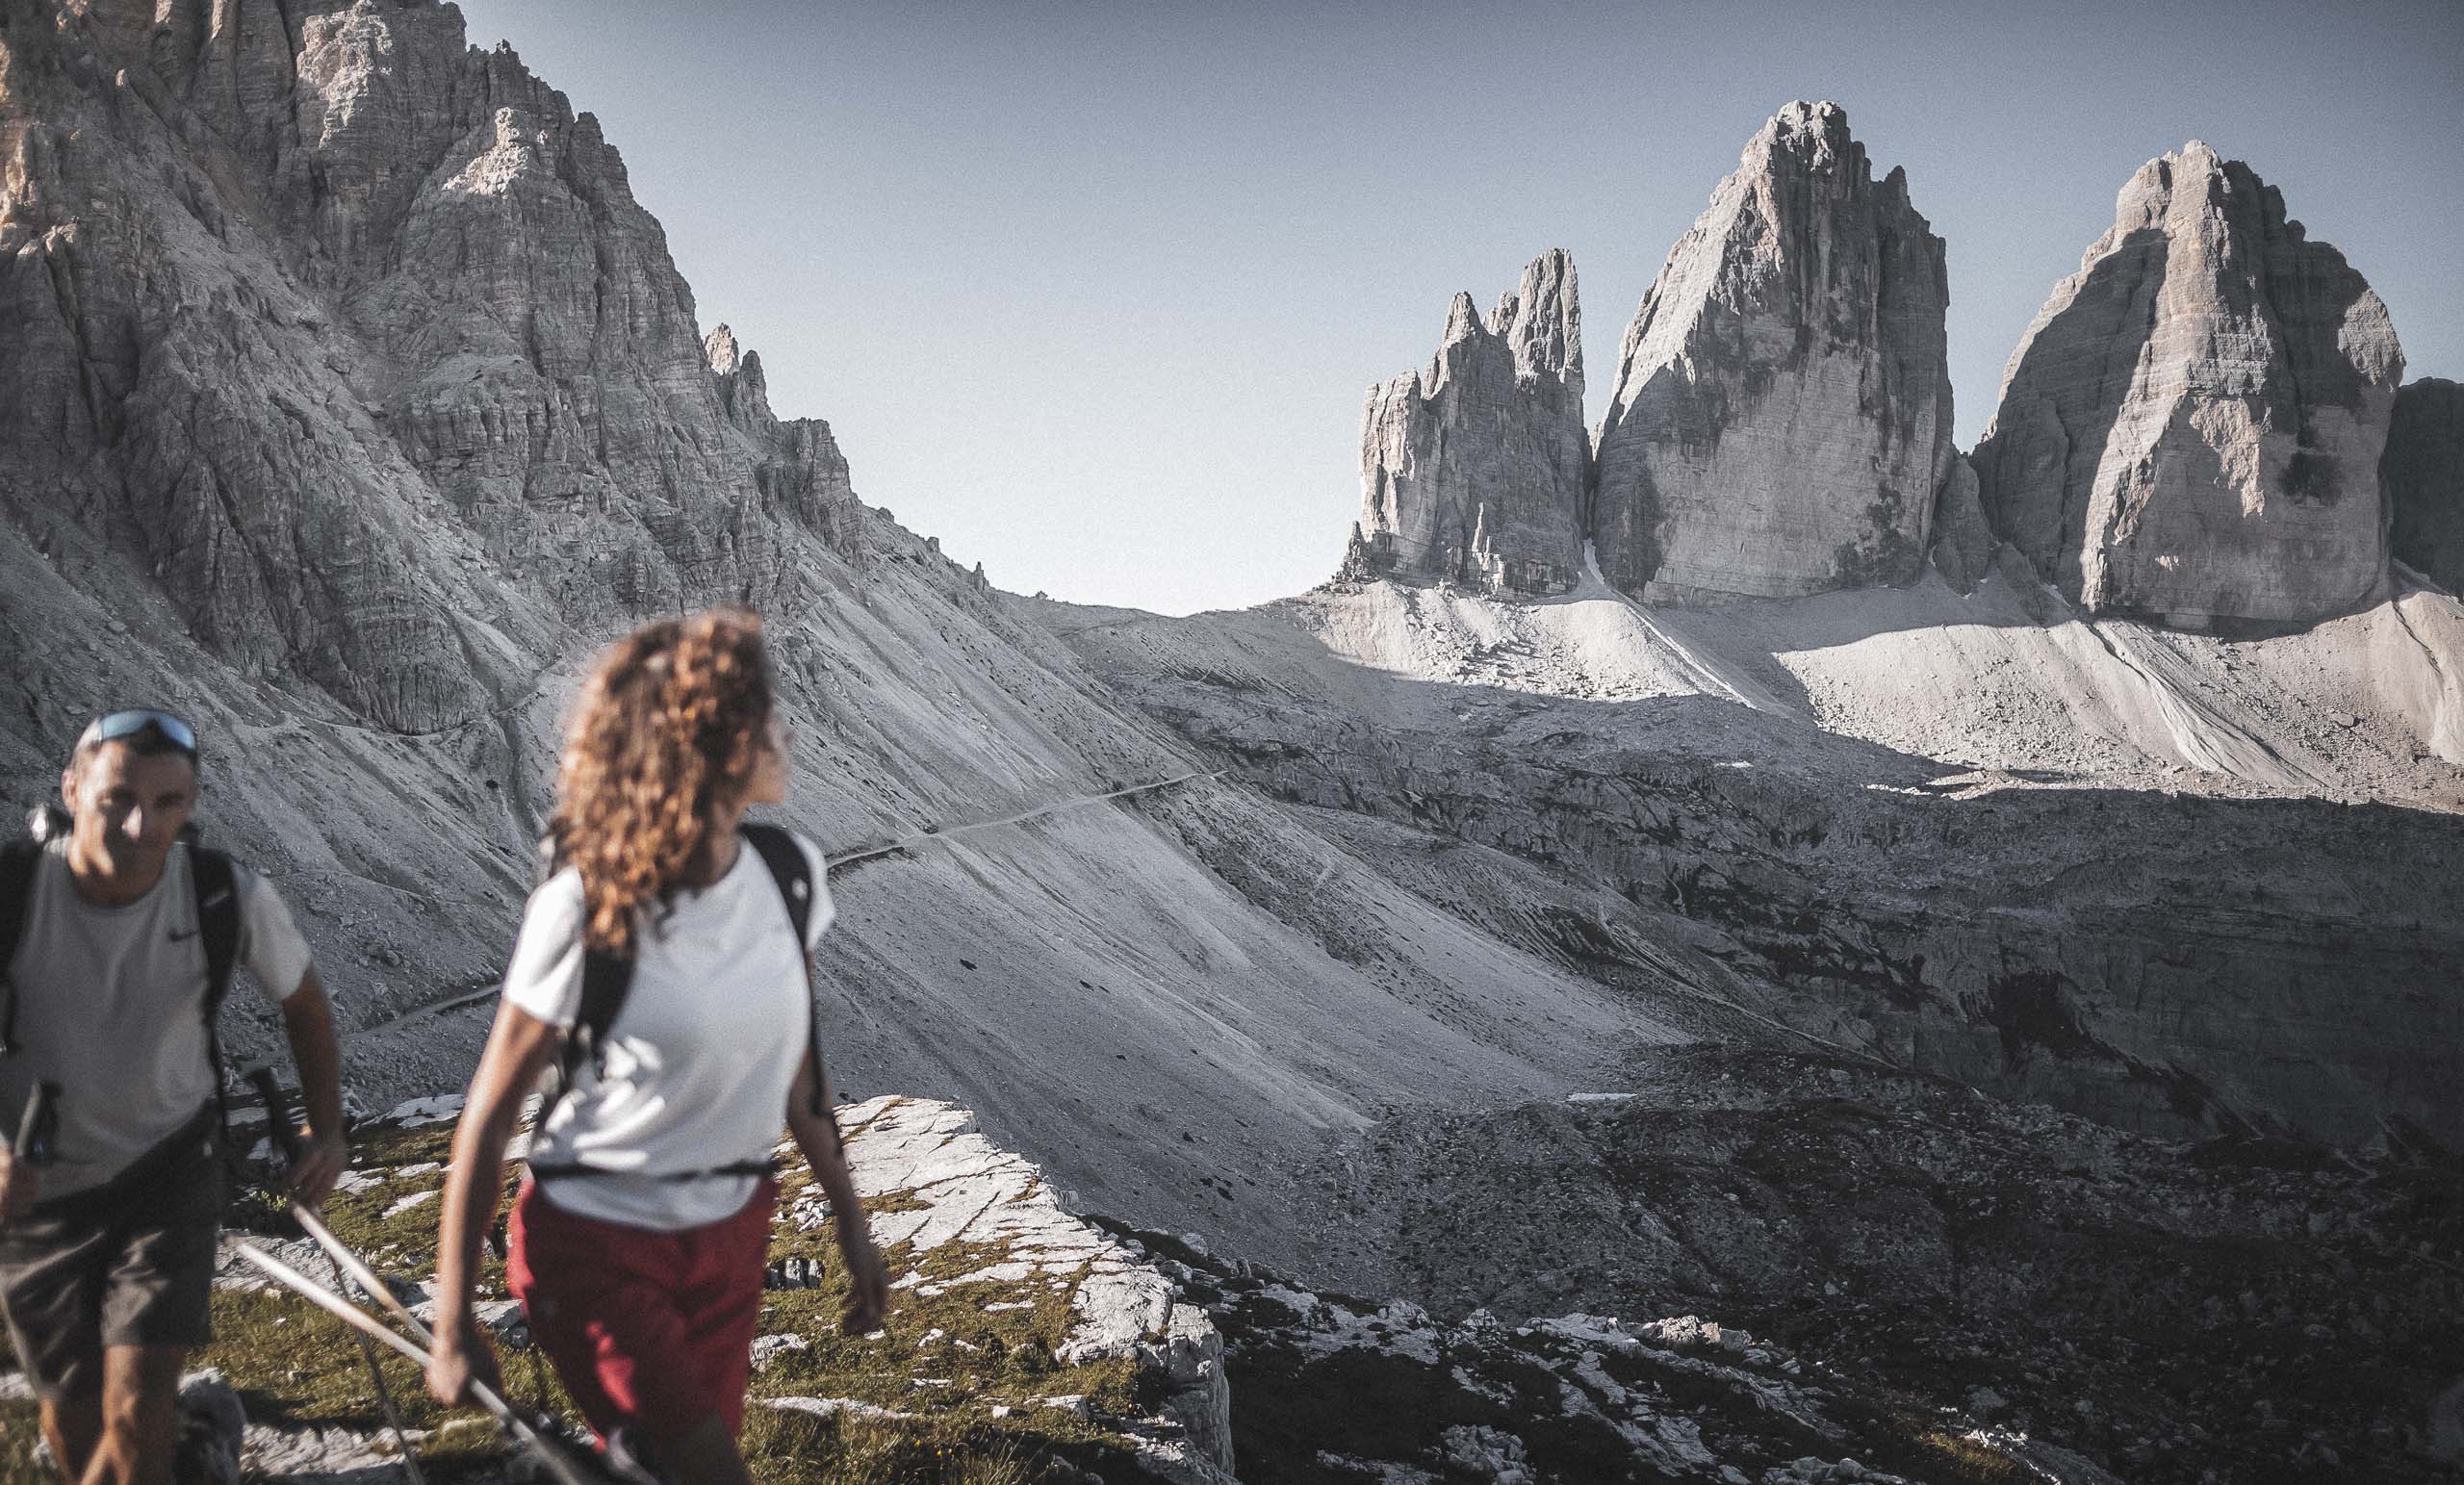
(127, 724)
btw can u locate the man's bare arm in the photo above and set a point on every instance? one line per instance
(308, 1021)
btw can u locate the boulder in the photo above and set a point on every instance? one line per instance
(2192, 428)
(2423, 467)
(1473, 470)
(1783, 416)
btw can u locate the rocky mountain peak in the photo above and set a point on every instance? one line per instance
(382, 374)
(1474, 470)
(1781, 421)
(2193, 426)
(1462, 324)
(1813, 132)
(720, 349)
(1542, 322)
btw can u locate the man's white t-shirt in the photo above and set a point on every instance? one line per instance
(111, 1006)
(695, 1072)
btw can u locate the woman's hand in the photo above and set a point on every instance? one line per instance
(462, 1356)
(867, 1282)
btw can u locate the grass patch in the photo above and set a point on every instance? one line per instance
(1967, 1463)
(943, 1358)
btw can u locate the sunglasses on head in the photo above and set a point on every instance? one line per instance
(111, 727)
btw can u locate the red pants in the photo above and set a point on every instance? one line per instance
(650, 1331)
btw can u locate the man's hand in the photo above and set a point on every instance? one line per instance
(20, 1186)
(318, 1164)
(462, 1356)
(867, 1283)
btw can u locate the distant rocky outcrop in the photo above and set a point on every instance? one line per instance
(2192, 428)
(2423, 467)
(1782, 414)
(1473, 470)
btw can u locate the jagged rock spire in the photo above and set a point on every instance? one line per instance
(2192, 428)
(1474, 470)
(1782, 423)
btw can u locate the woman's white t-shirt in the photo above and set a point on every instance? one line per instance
(696, 1070)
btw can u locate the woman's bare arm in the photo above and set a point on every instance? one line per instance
(518, 1047)
(818, 1136)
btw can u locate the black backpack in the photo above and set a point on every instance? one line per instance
(606, 978)
(217, 919)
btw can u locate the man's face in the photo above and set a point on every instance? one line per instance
(129, 809)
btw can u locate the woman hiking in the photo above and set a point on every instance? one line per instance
(638, 1239)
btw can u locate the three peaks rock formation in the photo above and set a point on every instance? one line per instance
(2191, 431)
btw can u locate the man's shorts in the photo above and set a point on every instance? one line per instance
(650, 1331)
(128, 1263)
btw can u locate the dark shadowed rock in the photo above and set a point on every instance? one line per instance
(2424, 474)
(1473, 470)
(1782, 414)
(1963, 542)
(2191, 427)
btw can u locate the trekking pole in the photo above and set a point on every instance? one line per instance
(558, 1464)
(285, 1139)
(38, 1127)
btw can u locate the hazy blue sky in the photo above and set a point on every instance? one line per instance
(1093, 291)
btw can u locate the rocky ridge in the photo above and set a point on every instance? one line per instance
(1476, 470)
(361, 402)
(1782, 419)
(2192, 428)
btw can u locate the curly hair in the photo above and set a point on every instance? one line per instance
(670, 723)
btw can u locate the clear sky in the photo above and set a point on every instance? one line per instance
(1093, 291)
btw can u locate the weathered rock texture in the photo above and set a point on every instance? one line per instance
(1474, 470)
(2191, 427)
(284, 287)
(2424, 473)
(1782, 414)
(1963, 542)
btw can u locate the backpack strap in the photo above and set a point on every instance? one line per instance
(19, 860)
(606, 978)
(218, 922)
(792, 871)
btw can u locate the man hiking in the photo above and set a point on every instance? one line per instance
(122, 935)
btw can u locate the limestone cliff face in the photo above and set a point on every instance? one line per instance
(2424, 473)
(358, 336)
(2192, 428)
(1783, 416)
(1473, 470)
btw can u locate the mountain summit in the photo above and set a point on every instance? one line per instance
(2192, 428)
(1782, 419)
